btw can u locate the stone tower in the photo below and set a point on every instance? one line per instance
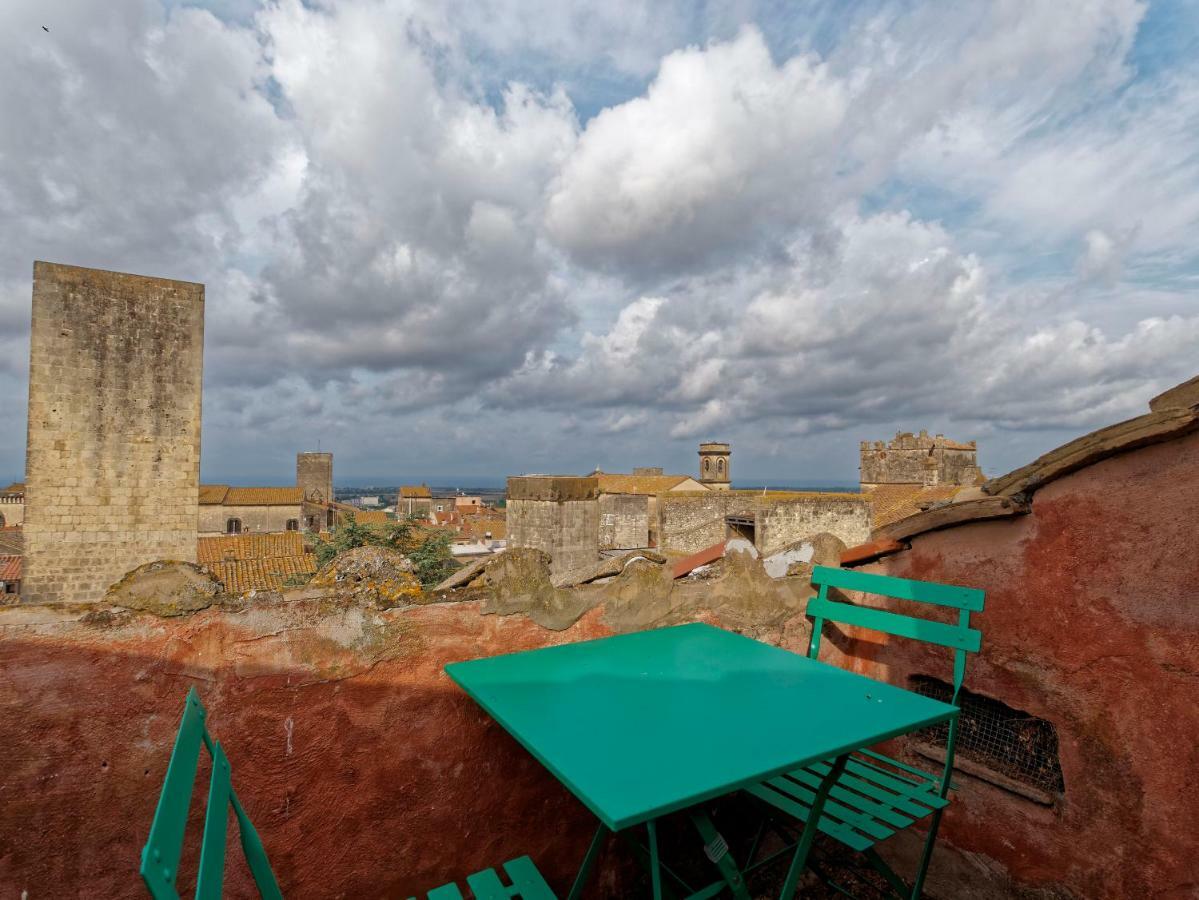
(314, 474)
(714, 466)
(113, 452)
(919, 459)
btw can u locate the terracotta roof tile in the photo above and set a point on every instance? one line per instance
(17, 487)
(639, 484)
(238, 547)
(892, 502)
(371, 517)
(414, 491)
(262, 574)
(264, 496)
(213, 493)
(12, 541)
(10, 568)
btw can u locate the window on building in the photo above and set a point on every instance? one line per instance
(707, 465)
(293, 524)
(2, 520)
(329, 518)
(720, 466)
(310, 522)
(1004, 746)
(233, 526)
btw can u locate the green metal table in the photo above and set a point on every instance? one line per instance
(645, 724)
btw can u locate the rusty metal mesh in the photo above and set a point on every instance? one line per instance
(1005, 740)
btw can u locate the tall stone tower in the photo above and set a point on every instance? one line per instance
(314, 474)
(714, 466)
(113, 453)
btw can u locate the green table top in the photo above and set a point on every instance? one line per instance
(642, 724)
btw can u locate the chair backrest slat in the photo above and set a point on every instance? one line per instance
(900, 588)
(160, 857)
(960, 638)
(953, 636)
(211, 876)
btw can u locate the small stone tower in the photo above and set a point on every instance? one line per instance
(714, 466)
(314, 474)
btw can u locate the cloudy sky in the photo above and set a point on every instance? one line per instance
(480, 237)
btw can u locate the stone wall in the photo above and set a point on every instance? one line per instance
(314, 475)
(1091, 623)
(689, 522)
(113, 452)
(782, 522)
(624, 521)
(213, 517)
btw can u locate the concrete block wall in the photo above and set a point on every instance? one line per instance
(113, 447)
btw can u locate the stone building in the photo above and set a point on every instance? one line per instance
(919, 459)
(251, 510)
(414, 500)
(12, 505)
(309, 506)
(113, 448)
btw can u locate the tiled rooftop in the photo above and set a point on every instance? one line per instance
(639, 484)
(892, 502)
(250, 496)
(231, 548)
(10, 568)
(262, 574)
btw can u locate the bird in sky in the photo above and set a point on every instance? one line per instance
(45, 29)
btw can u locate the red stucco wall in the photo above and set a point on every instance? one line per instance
(365, 770)
(1091, 622)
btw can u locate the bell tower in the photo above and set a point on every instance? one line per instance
(714, 466)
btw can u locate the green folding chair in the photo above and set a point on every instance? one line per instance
(160, 856)
(876, 795)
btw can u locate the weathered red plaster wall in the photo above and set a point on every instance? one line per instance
(1092, 622)
(365, 770)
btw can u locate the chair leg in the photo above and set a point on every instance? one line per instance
(927, 855)
(809, 829)
(576, 890)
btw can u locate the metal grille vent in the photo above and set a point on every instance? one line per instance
(1007, 741)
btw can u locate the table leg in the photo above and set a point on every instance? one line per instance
(718, 852)
(576, 890)
(809, 829)
(655, 864)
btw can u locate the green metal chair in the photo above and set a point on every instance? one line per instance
(876, 795)
(160, 856)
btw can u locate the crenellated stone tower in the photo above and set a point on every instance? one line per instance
(919, 459)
